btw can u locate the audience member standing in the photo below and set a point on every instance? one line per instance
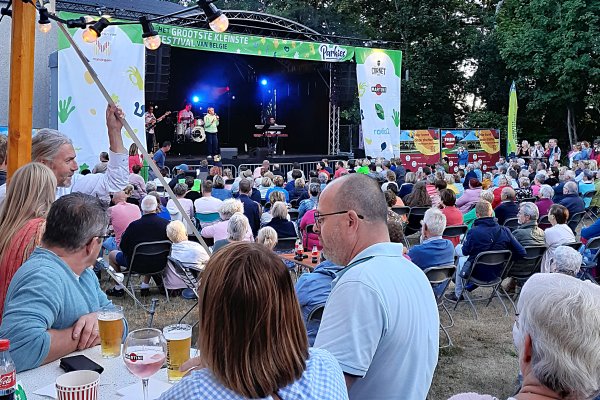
(160, 157)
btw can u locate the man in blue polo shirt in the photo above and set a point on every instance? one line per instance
(381, 320)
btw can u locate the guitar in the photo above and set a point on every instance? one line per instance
(151, 125)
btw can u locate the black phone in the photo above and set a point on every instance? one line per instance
(79, 363)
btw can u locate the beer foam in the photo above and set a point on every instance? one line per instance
(177, 334)
(109, 316)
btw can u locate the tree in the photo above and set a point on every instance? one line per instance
(552, 47)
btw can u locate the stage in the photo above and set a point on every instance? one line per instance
(193, 160)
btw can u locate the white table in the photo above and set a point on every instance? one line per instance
(115, 376)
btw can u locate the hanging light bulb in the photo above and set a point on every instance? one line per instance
(93, 32)
(89, 36)
(151, 39)
(44, 21)
(217, 21)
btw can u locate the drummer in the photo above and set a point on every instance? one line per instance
(185, 118)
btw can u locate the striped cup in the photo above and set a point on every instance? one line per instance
(78, 385)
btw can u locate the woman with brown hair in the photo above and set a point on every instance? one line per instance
(29, 195)
(252, 338)
(418, 197)
(134, 157)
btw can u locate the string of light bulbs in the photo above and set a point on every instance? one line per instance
(217, 21)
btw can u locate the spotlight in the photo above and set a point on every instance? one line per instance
(195, 99)
(263, 82)
(44, 21)
(92, 33)
(217, 21)
(151, 39)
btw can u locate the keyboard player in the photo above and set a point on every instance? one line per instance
(271, 135)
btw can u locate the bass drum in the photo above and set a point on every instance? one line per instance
(198, 134)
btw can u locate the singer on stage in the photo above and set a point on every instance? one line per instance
(211, 122)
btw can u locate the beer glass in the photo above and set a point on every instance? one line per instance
(110, 324)
(179, 341)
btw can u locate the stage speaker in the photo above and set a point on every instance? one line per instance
(229, 152)
(158, 70)
(260, 153)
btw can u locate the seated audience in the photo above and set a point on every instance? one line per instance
(545, 202)
(237, 231)
(503, 181)
(470, 174)
(568, 176)
(136, 180)
(237, 323)
(278, 182)
(590, 232)
(274, 197)
(190, 254)
(219, 190)
(586, 185)
(418, 197)
(244, 174)
(557, 355)
(265, 185)
(180, 172)
(23, 219)
(486, 235)
(390, 183)
(571, 199)
(528, 233)
(161, 211)
(298, 190)
(194, 188)
(470, 197)
(557, 235)
(508, 208)
(207, 204)
(524, 191)
(101, 167)
(149, 228)
(539, 180)
(50, 308)
(453, 215)
(218, 230)
(566, 261)
(267, 236)
(409, 180)
(309, 240)
(471, 216)
(392, 201)
(396, 232)
(313, 191)
(262, 169)
(120, 216)
(280, 221)
(188, 206)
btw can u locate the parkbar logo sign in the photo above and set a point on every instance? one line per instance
(378, 89)
(378, 70)
(332, 53)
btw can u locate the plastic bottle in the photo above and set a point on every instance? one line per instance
(315, 255)
(8, 378)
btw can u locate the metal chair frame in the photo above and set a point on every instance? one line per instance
(148, 253)
(575, 220)
(442, 275)
(527, 266)
(456, 231)
(511, 223)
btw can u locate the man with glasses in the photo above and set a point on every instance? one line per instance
(51, 304)
(381, 320)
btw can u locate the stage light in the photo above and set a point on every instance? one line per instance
(195, 99)
(92, 33)
(151, 39)
(217, 21)
(227, 88)
(44, 21)
(263, 82)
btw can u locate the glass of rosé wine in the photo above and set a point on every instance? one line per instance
(144, 354)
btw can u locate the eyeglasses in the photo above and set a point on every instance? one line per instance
(319, 217)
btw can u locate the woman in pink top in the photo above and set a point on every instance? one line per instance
(218, 231)
(470, 197)
(134, 157)
(453, 215)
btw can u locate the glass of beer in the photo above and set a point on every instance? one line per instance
(179, 342)
(110, 324)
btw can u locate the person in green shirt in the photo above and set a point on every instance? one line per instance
(470, 217)
(211, 122)
(364, 168)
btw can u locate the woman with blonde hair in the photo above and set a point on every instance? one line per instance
(29, 195)
(267, 236)
(251, 336)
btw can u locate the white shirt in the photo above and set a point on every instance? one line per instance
(207, 205)
(555, 236)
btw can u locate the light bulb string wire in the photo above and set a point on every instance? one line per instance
(141, 146)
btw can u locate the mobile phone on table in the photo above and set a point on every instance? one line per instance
(79, 363)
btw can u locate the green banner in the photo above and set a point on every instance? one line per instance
(200, 39)
(511, 143)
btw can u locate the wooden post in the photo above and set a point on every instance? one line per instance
(20, 109)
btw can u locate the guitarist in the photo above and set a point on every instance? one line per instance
(150, 121)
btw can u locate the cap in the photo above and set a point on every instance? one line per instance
(182, 167)
(4, 344)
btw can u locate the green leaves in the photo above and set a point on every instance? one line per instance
(379, 111)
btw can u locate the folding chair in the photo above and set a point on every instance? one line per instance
(293, 214)
(455, 231)
(294, 203)
(207, 218)
(401, 210)
(544, 223)
(574, 221)
(574, 245)
(589, 212)
(487, 270)
(587, 268)
(316, 314)
(512, 223)
(528, 200)
(415, 216)
(190, 276)
(149, 258)
(523, 268)
(286, 245)
(441, 276)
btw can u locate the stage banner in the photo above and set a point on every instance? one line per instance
(481, 144)
(118, 59)
(419, 148)
(200, 39)
(378, 74)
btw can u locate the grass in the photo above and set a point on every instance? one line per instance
(483, 358)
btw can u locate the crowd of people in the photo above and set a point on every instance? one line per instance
(259, 336)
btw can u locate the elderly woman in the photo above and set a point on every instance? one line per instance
(503, 181)
(555, 335)
(406, 188)
(545, 202)
(246, 294)
(190, 254)
(265, 184)
(238, 229)
(280, 221)
(470, 197)
(566, 261)
(267, 236)
(557, 235)
(188, 206)
(218, 231)
(218, 190)
(538, 181)
(524, 191)
(390, 182)
(274, 197)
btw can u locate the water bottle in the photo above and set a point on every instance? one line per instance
(8, 378)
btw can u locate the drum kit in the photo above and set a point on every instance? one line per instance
(193, 130)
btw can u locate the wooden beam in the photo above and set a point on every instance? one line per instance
(20, 108)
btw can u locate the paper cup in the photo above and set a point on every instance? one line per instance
(78, 385)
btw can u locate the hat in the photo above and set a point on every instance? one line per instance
(182, 167)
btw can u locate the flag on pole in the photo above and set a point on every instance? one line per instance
(511, 145)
